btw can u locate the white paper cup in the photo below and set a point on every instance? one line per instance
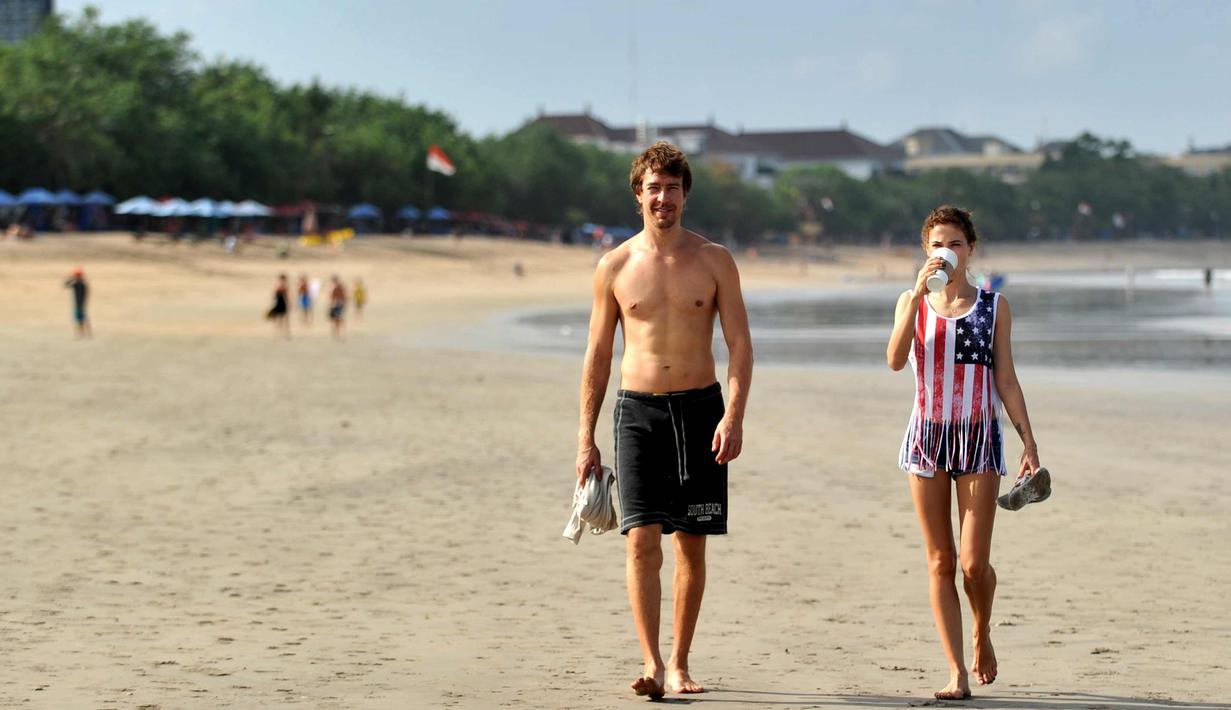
(939, 279)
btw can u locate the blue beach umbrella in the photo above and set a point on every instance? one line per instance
(36, 196)
(98, 197)
(364, 210)
(67, 197)
(7, 200)
(409, 212)
(439, 213)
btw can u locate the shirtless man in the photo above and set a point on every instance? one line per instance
(673, 437)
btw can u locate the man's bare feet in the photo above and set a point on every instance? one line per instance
(651, 684)
(984, 666)
(957, 689)
(678, 681)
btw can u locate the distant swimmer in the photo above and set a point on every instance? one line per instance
(81, 295)
(278, 314)
(957, 341)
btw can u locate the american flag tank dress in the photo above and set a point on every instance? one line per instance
(955, 421)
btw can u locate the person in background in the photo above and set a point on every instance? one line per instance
(278, 314)
(361, 298)
(305, 299)
(81, 294)
(337, 307)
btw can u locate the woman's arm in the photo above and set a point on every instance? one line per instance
(903, 330)
(1011, 390)
(904, 316)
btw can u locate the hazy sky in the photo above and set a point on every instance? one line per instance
(1156, 73)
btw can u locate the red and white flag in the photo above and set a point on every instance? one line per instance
(438, 161)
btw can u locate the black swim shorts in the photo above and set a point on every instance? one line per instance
(665, 470)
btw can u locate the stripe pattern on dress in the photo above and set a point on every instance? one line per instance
(955, 419)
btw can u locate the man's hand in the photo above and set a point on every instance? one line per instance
(589, 461)
(728, 440)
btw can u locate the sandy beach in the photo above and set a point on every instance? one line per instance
(199, 515)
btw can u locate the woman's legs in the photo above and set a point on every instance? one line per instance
(976, 506)
(932, 504)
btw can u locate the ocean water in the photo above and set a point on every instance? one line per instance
(1159, 318)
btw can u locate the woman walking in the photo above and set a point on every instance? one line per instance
(956, 340)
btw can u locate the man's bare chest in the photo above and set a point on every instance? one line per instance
(663, 290)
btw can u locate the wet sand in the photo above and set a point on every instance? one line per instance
(199, 515)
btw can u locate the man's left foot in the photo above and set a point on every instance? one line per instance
(678, 681)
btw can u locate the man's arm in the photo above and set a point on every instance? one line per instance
(596, 368)
(729, 436)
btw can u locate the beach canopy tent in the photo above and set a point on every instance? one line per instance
(204, 207)
(251, 208)
(7, 200)
(409, 212)
(98, 197)
(172, 207)
(37, 196)
(439, 213)
(364, 210)
(67, 197)
(138, 205)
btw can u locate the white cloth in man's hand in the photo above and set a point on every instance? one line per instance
(593, 507)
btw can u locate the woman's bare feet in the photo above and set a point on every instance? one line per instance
(678, 681)
(957, 689)
(984, 666)
(651, 683)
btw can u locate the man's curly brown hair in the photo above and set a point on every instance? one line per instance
(662, 157)
(952, 216)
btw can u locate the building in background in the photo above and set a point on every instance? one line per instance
(942, 148)
(757, 156)
(21, 18)
(1201, 162)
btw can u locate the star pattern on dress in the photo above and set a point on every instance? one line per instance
(976, 349)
